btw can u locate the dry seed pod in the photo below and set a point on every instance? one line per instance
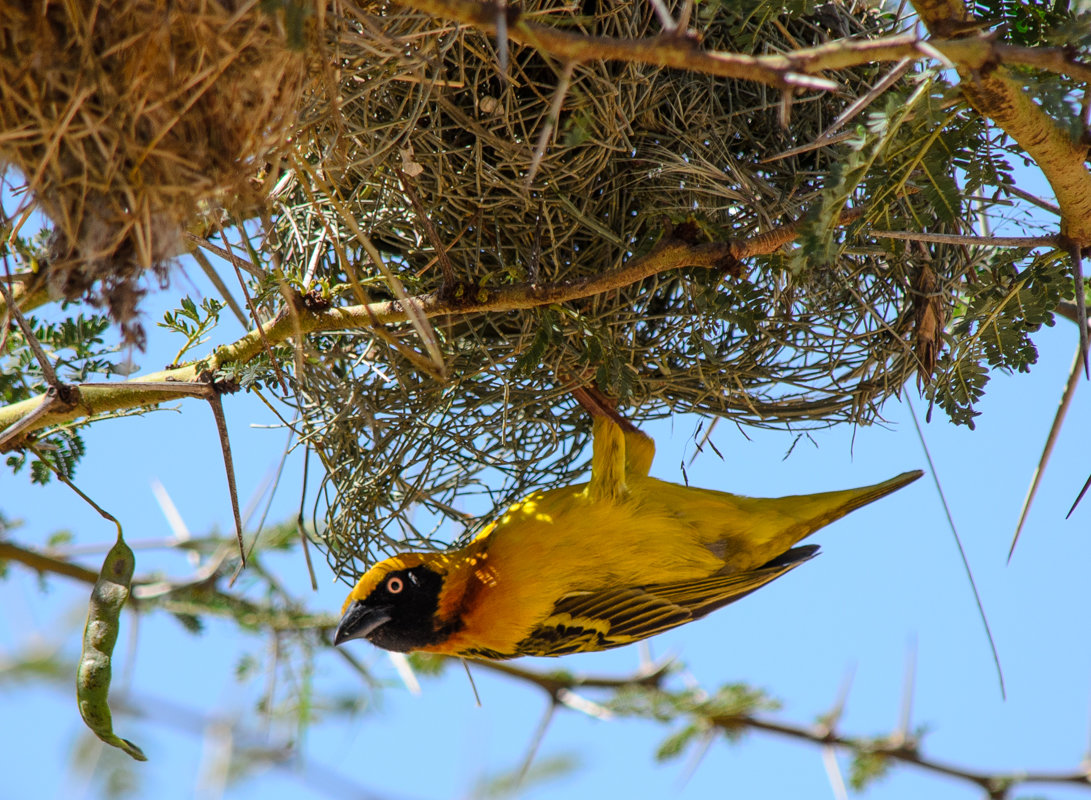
(99, 636)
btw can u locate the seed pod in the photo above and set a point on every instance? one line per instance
(99, 636)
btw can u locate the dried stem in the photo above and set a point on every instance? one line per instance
(669, 254)
(956, 238)
(898, 747)
(783, 70)
(559, 686)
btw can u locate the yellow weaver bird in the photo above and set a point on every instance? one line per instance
(592, 566)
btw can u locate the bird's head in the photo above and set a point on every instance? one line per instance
(394, 604)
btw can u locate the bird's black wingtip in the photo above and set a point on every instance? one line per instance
(796, 555)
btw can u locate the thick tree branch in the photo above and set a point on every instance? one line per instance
(42, 563)
(994, 93)
(153, 389)
(897, 748)
(997, 784)
(797, 68)
(197, 595)
(200, 596)
(669, 50)
(105, 398)
(973, 241)
(29, 290)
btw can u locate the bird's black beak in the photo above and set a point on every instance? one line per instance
(359, 621)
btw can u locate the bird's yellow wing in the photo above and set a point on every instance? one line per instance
(612, 617)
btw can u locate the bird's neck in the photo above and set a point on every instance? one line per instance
(467, 573)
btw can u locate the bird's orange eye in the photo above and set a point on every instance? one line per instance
(394, 584)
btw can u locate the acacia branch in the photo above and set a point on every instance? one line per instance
(795, 69)
(1068, 310)
(897, 748)
(200, 596)
(196, 595)
(29, 290)
(668, 50)
(986, 83)
(992, 91)
(43, 563)
(958, 238)
(554, 683)
(997, 784)
(150, 390)
(995, 93)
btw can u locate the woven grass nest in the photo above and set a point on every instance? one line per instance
(636, 151)
(131, 119)
(128, 118)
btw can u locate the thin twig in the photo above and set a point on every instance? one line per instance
(957, 238)
(551, 683)
(44, 563)
(664, 15)
(554, 114)
(257, 322)
(1045, 205)
(300, 523)
(502, 36)
(893, 76)
(1047, 450)
(1075, 253)
(297, 320)
(780, 70)
(226, 255)
(430, 231)
(902, 734)
(32, 341)
(229, 467)
(961, 550)
(221, 287)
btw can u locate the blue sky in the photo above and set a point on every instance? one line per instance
(888, 583)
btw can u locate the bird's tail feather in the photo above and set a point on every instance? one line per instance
(818, 510)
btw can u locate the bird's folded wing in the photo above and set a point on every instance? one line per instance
(617, 616)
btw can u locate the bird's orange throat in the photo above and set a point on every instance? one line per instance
(467, 574)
